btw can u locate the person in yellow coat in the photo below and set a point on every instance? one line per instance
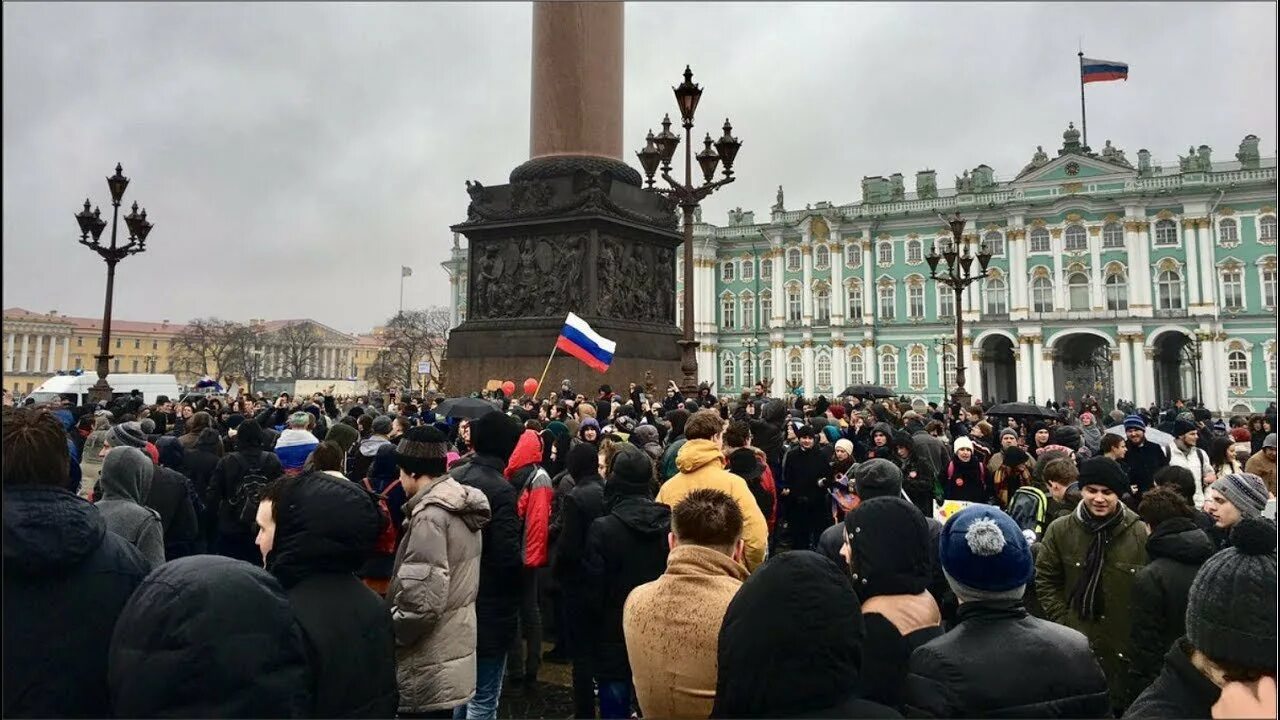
(701, 465)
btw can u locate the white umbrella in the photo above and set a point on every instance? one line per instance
(1158, 437)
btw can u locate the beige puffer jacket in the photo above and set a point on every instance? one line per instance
(433, 596)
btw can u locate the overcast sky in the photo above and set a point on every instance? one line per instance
(293, 156)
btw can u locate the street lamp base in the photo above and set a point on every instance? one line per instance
(961, 398)
(689, 366)
(101, 391)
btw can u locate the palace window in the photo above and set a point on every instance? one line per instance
(995, 243)
(997, 297)
(1039, 240)
(946, 301)
(915, 300)
(854, 296)
(853, 255)
(915, 251)
(727, 314)
(1233, 288)
(135, 366)
(889, 368)
(766, 367)
(1268, 287)
(795, 369)
(1169, 287)
(766, 269)
(1078, 291)
(1166, 232)
(793, 259)
(766, 308)
(748, 376)
(1117, 287)
(821, 257)
(728, 373)
(857, 369)
(727, 271)
(1113, 235)
(886, 302)
(916, 365)
(1075, 238)
(1237, 369)
(154, 345)
(1267, 228)
(793, 304)
(822, 306)
(823, 370)
(748, 311)
(1228, 231)
(884, 252)
(749, 270)
(1042, 295)
(1272, 369)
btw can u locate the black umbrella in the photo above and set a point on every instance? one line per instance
(868, 391)
(465, 407)
(1021, 410)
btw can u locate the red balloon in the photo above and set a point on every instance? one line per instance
(509, 387)
(530, 386)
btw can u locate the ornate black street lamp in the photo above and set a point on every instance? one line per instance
(959, 275)
(91, 223)
(659, 150)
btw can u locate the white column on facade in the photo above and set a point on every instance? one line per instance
(39, 354)
(1212, 373)
(1022, 359)
(1144, 389)
(871, 360)
(1016, 247)
(868, 286)
(10, 348)
(1193, 261)
(837, 282)
(1209, 274)
(1059, 285)
(52, 365)
(66, 352)
(1043, 367)
(810, 383)
(972, 373)
(779, 295)
(1124, 373)
(778, 361)
(26, 341)
(806, 291)
(1140, 271)
(1096, 299)
(453, 298)
(839, 365)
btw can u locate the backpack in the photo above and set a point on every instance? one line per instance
(1028, 507)
(244, 502)
(387, 539)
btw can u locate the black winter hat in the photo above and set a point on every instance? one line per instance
(1106, 472)
(876, 478)
(495, 434)
(582, 461)
(422, 451)
(1182, 427)
(631, 469)
(889, 544)
(1014, 456)
(744, 463)
(1231, 609)
(805, 431)
(1067, 436)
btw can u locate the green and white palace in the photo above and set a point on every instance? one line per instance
(1123, 281)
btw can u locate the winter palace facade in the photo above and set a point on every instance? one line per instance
(1119, 279)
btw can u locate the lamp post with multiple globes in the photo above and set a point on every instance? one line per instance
(958, 275)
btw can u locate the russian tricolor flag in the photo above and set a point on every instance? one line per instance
(1102, 70)
(579, 340)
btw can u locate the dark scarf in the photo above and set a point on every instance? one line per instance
(1085, 597)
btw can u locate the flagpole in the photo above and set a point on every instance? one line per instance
(544, 372)
(1084, 124)
(401, 311)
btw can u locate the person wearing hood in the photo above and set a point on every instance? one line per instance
(1037, 438)
(60, 562)
(494, 437)
(1177, 549)
(1090, 433)
(769, 431)
(172, 496)
(314, 532)
(579, 509)
(359, 462)
(91, 456)
(235, 537)
(556, 441)
(1085, 570)
(626, 547)
(966, 476)
(191, 429)
(675, 441)
(1263, 462)
(882, 443)
(645, 437)
(589, 431)
(345, 437)
(791, 645)
(701, 465)
(998, 661)
(295, 443)
(887, 550)
(209, 636)
(124, 484)
(533, 487)
(914, 464)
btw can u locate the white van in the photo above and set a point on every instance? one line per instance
(76, 387)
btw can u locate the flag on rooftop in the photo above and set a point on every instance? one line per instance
(1092, 70)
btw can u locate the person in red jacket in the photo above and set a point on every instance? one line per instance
(525, 472)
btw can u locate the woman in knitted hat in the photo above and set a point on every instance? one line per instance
(966, 478)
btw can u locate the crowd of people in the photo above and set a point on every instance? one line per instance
(689, 557)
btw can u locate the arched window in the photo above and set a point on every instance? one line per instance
(1228, 231)
(1273, 372)
(916, 366)
(1237, 369)
(888, 368)
(948, 370)
(821, 257)
(915, 251)
(884, 252)
(748, 377)
(1166, 232)
(1039, 240)
(766, 308)
(728, 373)
(822, 306)
(1267, 228)
(766, 268)
(1169, 287)
(795, 369)
(886, 302)
(1269, 286)
(793, 259)
(1042, 295)
(1117, 287)
(853, 293)
(1233, 288)
(1113, 235)
(995, 243)
(727, 312)
(748, 310)
(822, 368)
(1075, 238)
(946, 301)
(915, 300)
(793, 303)
(766, 367)
(1078, 291)
(997, 300)
(853, 255)
(749, 269)
(857, 369)
(727, 271)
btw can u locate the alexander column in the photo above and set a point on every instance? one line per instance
(572, 230)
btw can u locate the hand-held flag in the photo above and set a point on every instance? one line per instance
(579, 340)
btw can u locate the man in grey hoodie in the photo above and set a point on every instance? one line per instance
(358, 467)
(124, 482)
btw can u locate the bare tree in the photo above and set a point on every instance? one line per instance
(242, 341)
(415, 336)
(382, 371)
(207, 347)
(298, 345)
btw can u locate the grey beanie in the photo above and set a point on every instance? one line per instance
(1008, 431)
(127, 434)
(876, 478)
(148, 426)
(1231, 608)
(1272, 441)
(382, 425)
(1245, 490)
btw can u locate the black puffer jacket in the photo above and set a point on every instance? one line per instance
(498, 604)
(1030, 668)
(1177, 549)
(170, 498)
(209, 637)
(66, 579)
(802, 472)
(1179, 691)
(625, 548)
(769, 432)
(325, 527)
(227, 477)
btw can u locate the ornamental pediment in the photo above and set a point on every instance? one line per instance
(1073, 168)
